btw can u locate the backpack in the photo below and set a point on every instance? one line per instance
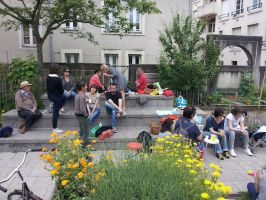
(6, 132)
(146, 140)
(183, 131)
(101, 130)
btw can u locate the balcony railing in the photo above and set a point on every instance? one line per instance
(254, 7)
(207, 9)
(223, 16)
(237, 12)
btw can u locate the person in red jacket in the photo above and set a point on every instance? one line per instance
(141, 82)
(95, 79)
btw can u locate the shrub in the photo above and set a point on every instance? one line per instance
(172, 171)
(215, 97)
(70, 166)
(247, 86)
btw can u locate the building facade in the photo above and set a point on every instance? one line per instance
(140, 46)
(233, 17)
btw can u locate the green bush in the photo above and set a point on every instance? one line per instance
(215, 97)
(247, 86)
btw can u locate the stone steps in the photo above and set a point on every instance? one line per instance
(40, 138)
(131, 101)
(135, 117)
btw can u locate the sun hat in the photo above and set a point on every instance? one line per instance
(24, 84)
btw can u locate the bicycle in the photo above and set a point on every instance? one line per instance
(24, 193)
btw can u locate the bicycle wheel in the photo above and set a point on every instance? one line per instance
(15, 195)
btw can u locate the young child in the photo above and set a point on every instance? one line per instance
(81, 112)
(166, 128)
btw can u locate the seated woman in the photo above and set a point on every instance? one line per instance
(215, 125)
(234, 124)
(95, 80)
(166, 129)
(257, 190)
(93, 98)
(186, 126)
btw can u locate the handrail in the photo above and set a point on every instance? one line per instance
(223, 16)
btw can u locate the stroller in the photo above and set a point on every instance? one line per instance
(259, 136)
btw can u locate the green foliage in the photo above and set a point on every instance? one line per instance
(187, 62)
(247, 86)
(215, 97)
(23, 69)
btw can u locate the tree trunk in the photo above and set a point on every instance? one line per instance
(39, 53)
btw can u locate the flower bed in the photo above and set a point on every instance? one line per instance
(172, 171)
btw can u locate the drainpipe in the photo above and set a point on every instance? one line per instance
(190, 7)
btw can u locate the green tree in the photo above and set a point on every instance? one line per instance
(187, 62)
(247, 86)
(51, 14)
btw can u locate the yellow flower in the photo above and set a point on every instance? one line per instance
(44, 149)
(52, 141)
(71, 161)
(90, 164)
(93, 141)
(160, 140)
(64, 182)
(80, 174)
(53, 172)
(124, 161)
(75, 132)
(54, 134)
(216, 174)
(67, 133)
(216, 167)
(93, 190)
(109, 155)
(207, 182)
(205, 195)
(74, 166)
(192, 171)
(77, 142)
(83, 161)
(57, 164)
(221, 198)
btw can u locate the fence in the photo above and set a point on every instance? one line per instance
(195, 98)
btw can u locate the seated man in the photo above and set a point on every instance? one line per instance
(186, 126)
(141, 82)
(114, 105)
(26, 106)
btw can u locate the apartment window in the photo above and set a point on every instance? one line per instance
(225, 6)
(239, 6)
(253, 29)
(255, 5)
(134, 59)
(212, 25)
(236, 31)
(72, 57)
(234, 63)
(28, 37)
(110, 20)
(111, 59)
(72, 25)
(135, 19)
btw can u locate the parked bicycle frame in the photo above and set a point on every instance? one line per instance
(24, 193)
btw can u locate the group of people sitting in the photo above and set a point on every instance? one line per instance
(61, 89)
(224, 128)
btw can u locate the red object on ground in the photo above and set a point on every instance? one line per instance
(134, 145)
(173, 117)
(168, 93)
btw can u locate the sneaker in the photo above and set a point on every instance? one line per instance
(124, 113)
(114, 130)
(248, 152)
(57, 130)
(232, 153)
(219, 156)
(226, 154)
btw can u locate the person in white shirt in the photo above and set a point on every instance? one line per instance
(234, 124)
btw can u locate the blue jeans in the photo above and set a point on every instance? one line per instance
(111, 110)
(221, 146)
(231, 138)
(58, 102)
(70, 95)
(252, 191)
(94, 115)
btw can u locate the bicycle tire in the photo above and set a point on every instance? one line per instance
(15, 193)
(18, 193)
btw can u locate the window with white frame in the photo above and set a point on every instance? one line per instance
(253, 29)
(211, 27)
(111, 59)
(225, 7)
(28, 37)
(72, 25)
(135, 19)
(72, 57)
(134, 59)
(239, 6)
(110, 20)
